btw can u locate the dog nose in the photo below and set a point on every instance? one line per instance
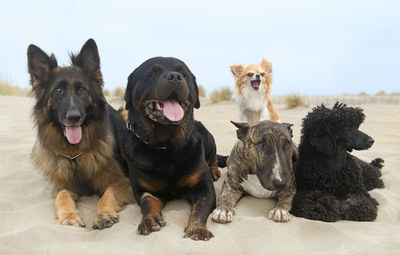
(279, 184)
(257, 76)
(73, 116)
(174, 77)
(370, 141)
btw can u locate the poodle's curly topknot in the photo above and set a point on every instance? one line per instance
(340, 116)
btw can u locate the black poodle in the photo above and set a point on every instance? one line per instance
(332, 184)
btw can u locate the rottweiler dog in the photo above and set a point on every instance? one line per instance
(77, 135)
(166, 149)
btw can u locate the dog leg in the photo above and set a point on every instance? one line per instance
(280, 213)
(152, 220)
(372, 173)
(107, 210)
(202, 205)
(66, 210)
(316, 205)
(230, 195)
(273, 115)
(214, 169)
(359, 207)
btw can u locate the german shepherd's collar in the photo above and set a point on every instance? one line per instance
(68, 156)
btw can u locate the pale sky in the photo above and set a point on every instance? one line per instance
(316, 47)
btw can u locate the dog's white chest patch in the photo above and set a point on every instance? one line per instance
(253, 186)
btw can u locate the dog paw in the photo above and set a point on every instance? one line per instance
(105, 220)
(222, 216)
(279, 215)
(216, 174)
(198, 233)
(151, 223)
(378, 162)
(71, 219)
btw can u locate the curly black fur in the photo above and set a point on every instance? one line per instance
(332, 184)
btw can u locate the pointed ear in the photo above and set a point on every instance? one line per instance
(243, 128)
(39, 65)
(88, 58)
(266, 66)
(289, 127)
(128, 92)
(237, 70)
(323, 141)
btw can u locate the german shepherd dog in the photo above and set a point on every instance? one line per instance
(166, 148)
(76, 146)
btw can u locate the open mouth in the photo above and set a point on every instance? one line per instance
(73, 133)
(255, 84)
(169, 110)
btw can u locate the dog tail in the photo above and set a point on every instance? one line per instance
(221, 161)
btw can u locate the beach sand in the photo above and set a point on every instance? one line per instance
(28, 224)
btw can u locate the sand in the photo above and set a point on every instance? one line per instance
(28, 224)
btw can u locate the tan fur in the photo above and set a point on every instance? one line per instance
(96, 166)
(66, 211)
(152, 187)
(190, 180)
(240, 74)
(124, 114)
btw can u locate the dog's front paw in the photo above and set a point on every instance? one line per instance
(378, 162)
(279, 215)
(198, 233)
(105, 220)
(151, 223)
(71, 219)
(222, 216)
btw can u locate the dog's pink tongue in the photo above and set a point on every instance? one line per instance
(73, 134)
(172, 110)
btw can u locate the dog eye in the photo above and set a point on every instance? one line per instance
(81, 89)
(59, 92)
(250, 74)
(260, 144)
(262, 74)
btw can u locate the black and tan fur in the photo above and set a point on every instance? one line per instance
(167, 158)
(261, 164)
(73, 95)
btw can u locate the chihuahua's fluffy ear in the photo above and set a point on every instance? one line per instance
(267, 67)
(237, 70)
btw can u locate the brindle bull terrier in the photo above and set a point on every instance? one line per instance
(261, 164)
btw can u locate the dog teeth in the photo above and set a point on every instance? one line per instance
(158, 106)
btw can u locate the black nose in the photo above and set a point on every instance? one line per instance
(257, 76)
(279, 184)
(73, 116)
(174, 77)
(370, 141)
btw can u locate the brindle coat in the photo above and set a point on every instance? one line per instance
(73, 96)
(264, 153)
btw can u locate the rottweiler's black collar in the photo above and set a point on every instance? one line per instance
(143, 140)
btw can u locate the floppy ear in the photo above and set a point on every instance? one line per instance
(243, 128)
(128, 93)
(289, 127)
(237, 70)
(196, 89)
(39, 65)
(88, 58)
(323, 141)
(266, 66)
